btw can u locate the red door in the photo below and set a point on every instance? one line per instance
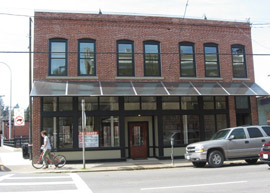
(138, 140)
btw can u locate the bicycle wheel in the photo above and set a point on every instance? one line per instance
(60, 160)
(37, 162)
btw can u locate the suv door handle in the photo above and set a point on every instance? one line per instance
(263, 140)
(246, 141)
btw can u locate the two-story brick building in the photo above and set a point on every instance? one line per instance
(142, 78)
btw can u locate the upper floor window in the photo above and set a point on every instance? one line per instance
(58, 57)
(125, 58)
(211, 60)
(239, 61)
(152, 65)
(187, 60)
(87, 57)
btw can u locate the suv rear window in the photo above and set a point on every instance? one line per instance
(254, 132)
(266, 130)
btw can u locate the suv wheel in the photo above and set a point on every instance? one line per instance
(215, 159)
(251, 161)
(199, 164)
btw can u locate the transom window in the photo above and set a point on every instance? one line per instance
(239, 61)
(125, 58)
(187, 60)
(87, 57)
(152, 59)
(58, 57)
(211, 60)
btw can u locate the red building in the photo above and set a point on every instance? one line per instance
(143, 79)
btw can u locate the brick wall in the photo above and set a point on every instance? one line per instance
(36, 121)
(107, 29)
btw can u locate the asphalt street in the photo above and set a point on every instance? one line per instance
(231, 178)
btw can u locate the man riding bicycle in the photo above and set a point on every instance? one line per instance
(47, 150)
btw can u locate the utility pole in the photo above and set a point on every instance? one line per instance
(30, 87)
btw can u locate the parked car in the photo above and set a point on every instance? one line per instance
(265, 153)
(243, 142)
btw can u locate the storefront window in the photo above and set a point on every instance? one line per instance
(191, 126)
(49, 104)
(170, 103)
(242, 102)
(109, 131)
(221, 102)
(208, 103)
(65, 132)
(65, 104)
(189, 103)
(172, 125)
(221, 121)
(149, 103)
(50, 125)
(109, 103)
(91, 103)
(132, 103)
(209, 126)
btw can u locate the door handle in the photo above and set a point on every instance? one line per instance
(246, 141)
(263, 140)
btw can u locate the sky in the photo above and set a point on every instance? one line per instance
(14, 33)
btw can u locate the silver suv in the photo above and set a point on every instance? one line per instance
(243, 142)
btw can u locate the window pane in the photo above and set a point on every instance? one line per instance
(125, 68)
(151, 60)
(65, 132)
(109, 131)
(151, 48)
(109, 103)
(125, 48)
(186, 50)
(149, 103)
(211, 69)
(187, 68)
(209, 126)
(170, 103)
(132, 103)
(172, 124)
(87, 66)
(50, 125)
(238, 134)
(242, 102)
(254, 132)
(58, 66)
(152, 68)
(91, 103)
(49, 104)
(266, 130)
(189, 103)
(221, 103)
(239, 70)
(221, 121)
(208, 103)
(87, 50)
(191, 127)
(58, 49)
(90, 124)
(65, 104)
(239, 64)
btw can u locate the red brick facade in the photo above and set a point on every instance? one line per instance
(107, 29)
(169, 32)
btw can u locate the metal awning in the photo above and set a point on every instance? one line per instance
(99, 88)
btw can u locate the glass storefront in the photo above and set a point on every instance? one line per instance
(185, 117)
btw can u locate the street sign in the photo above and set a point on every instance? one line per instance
(19, 117)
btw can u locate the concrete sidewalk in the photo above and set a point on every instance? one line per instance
(13, 161)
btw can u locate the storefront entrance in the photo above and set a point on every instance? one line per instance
(138, 140)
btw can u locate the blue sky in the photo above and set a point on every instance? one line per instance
(14, 29)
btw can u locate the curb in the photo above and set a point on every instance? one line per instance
(107, 169)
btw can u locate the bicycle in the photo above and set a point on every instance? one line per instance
(37, 161)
